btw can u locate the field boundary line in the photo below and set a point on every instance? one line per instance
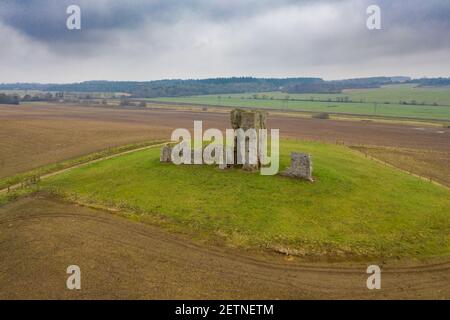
(429, 180)
(295, 110)
(51, 174)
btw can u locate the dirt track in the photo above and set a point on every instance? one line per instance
(53, 173)
(119, 258)
(39, 134)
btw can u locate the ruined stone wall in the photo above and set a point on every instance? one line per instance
(301, 163)
(166, 154)
(248, 119)
(301, 166)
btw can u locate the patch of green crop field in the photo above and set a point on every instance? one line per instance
(394, 94)
(357, 207)
(405, 101)
(408, 93)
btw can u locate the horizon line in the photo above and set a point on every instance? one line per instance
(219, 77)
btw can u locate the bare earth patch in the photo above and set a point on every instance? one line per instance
(119, 258)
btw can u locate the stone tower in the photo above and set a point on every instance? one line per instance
(248, 119)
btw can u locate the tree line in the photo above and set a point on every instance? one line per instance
(9, 99)
(190, 87)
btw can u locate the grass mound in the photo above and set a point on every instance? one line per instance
(356, 207)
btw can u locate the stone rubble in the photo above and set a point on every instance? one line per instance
(301, 166)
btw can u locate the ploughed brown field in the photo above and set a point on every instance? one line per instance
(119, 258)
(40, 235)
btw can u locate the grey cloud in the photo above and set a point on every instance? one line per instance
(45, 19)
(198, 38)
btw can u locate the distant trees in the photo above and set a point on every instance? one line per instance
(222, 86)
(40, 97)
(319, 87)
(343, 99)
(435, 82)
(9, 99)
(322, 115)
(336, 86)
(175, 88)
(125, 102)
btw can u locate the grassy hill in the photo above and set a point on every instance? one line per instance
(357, 207)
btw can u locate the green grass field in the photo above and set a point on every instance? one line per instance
(388, 100)
(387, 94)
(357, 207)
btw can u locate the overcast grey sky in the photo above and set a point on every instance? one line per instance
(156, 39)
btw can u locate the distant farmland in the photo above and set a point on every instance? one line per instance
(403, 101)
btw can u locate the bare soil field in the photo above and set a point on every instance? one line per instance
(41, 236)
(34, 135)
